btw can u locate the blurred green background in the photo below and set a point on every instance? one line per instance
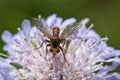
(105, 14)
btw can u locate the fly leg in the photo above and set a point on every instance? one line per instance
(47, 49)
(47, 41)
(63, 43)
(63, 54)
(44, 42)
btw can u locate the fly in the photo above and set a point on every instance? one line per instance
(55, 39)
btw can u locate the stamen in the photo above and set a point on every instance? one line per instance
(89, 28)
(99, 41)
(39, 17)
(4, 55)
(17, 41)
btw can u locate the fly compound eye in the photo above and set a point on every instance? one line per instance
(56, 29)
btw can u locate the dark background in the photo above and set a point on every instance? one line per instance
(105, 14)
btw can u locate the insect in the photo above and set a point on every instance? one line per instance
(55, 39)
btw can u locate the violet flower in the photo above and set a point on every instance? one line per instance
(85, 52)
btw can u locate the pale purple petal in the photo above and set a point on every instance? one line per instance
(109, 52)
(112, 67)
(84, 21)
(17, 39)
(7, 37)
(58, 22)
(26, 26)
(1, 77)
(82, 31)
(12, 48)
(5, 70)
(65, 23)
(6, 47)
(5, 75)
(100, 46)
(116, 52)
(4, 64)
(114, 76)
(51, 20)
(92, 33)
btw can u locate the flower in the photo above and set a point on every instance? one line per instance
(86, 53)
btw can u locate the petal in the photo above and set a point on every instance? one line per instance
(117, 52)
(108, 53)
(68, 21)
(5, 65)
(92, 33)
(5, 75)
(114, 76)
(6, 47)
(1, 77)
(7, 37)
(114, 65)
(58, 22)
(82, 30)
(12, 48)
(85, 21)
(51, 20)
(10, 52)
(26, 26)
(6, 70)
(34, 31)
(18, 38)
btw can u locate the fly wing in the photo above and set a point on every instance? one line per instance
(69, 30)
(41, 27)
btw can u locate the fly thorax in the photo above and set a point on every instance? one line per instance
(55, 41)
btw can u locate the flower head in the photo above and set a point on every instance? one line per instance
(85, 53)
